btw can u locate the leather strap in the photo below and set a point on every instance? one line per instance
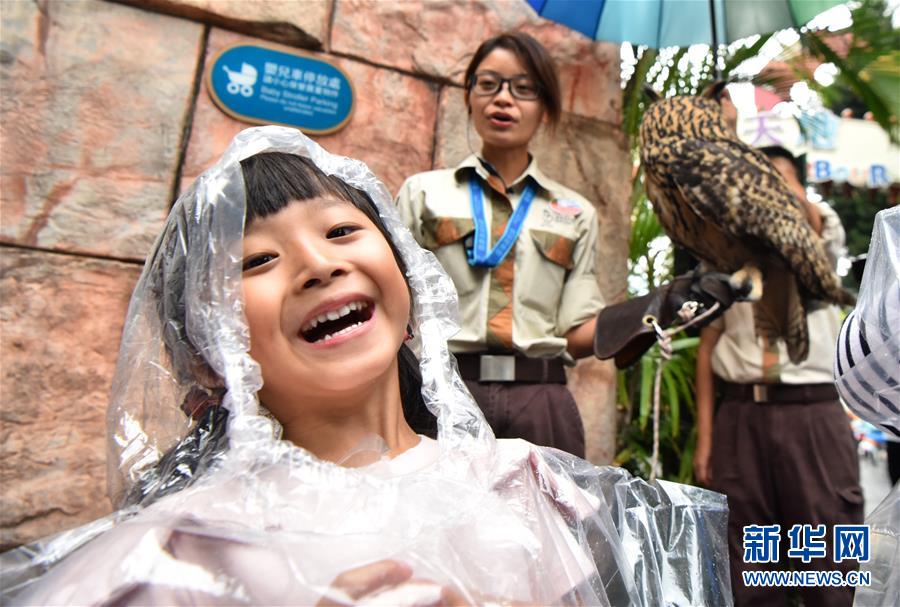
(781, 393)
(481, 367)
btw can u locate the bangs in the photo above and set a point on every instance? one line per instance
(275, 179)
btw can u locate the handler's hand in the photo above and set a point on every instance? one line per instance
(702, 467)
(388, 582)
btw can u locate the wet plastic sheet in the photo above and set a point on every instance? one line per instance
(234, 515)
(868, 380)
(867, 370)
(884, 560)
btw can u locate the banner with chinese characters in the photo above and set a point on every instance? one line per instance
(858, 152)
(837, 149)
(263, 85)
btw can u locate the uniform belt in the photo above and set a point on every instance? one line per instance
(511, 368)
(781, 393)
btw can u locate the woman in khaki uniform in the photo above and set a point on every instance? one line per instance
(519, 247)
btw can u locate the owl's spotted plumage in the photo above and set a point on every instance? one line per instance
(725, 202)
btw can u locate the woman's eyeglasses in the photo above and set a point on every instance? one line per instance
(490, 83)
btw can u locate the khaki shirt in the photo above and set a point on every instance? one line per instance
(742, 357)
(545, 286)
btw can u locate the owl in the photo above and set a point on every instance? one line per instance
(728, 205)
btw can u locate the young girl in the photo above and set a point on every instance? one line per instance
(285, 299)
(519, 247)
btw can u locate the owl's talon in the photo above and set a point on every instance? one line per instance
(747, 284)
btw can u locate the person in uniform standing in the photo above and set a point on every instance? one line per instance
(781, 447)
(520, 248)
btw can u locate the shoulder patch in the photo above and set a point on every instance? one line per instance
(566, 206)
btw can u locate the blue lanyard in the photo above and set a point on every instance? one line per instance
(479, 255)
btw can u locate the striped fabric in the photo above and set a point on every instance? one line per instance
(869, 383)
(867, 364)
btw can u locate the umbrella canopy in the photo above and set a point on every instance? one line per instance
(663, 23)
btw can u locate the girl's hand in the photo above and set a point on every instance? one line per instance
(386, 583)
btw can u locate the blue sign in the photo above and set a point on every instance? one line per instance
(262, 85)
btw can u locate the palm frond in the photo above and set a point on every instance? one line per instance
(633, 101)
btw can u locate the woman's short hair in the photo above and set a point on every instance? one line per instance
(798, 162)
(537, 62)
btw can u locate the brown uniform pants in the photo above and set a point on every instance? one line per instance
(543, 414)
(786, 463)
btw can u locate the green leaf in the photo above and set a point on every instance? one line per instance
(743, 54)
(645, 228)
(647, 373)
(686, 465)
(668, 88)
(876, 104)
(883, 75)
(623, 456)
(685, 343)
(633, 96)
(622, 397)
(686, 384)
(673, 401)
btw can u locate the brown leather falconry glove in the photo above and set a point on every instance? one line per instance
(624, 331)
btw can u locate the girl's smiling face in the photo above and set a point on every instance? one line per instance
(326, 304)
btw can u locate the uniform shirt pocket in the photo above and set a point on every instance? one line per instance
(446, 238)
(555, 247)
(441, 231)
(542, 274)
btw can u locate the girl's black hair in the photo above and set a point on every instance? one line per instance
(272, 181)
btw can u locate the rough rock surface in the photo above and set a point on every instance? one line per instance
(391, 131)
(303, 24)
(62, 316)
(438, 37)
(93, 105)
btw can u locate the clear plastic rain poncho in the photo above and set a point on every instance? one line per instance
(867, 376)
(222, 511)
(867, 367)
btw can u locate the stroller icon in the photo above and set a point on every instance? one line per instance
(241, 82)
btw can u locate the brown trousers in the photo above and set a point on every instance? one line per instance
(543, 414)
(786, 464)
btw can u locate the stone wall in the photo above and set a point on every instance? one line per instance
(104, 118)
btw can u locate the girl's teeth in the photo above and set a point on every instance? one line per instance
(335, 314)
(341, 332)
